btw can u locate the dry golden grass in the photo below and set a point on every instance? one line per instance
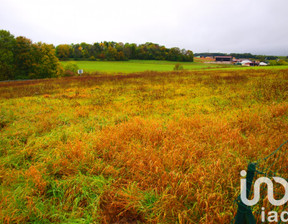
(139, 148)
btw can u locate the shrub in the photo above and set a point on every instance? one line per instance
(92, 58)
(178, 67)
(278, 62)
(68, 73)
(71, 67)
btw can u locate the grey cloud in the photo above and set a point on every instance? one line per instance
(257, 26)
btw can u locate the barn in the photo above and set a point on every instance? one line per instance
(226, 59)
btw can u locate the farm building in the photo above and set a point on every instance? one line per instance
(249, 63)
(246, 62)
(263, 64)
(226, 59)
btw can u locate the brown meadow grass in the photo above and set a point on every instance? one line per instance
(151, 147)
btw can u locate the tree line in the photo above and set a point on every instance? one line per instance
(22, 59)
(112, 51)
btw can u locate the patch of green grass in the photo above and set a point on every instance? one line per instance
(138, 66)
(153, 65)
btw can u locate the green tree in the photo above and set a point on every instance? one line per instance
(7, 47)
(174, 54)
(46, 64)
(118, 51)
(36, 60)
(111, 53)
(77, 51)
(189, 56)
(24, 59)
(85, 50)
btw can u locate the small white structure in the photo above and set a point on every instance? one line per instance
(246, 62)
(80, 71)
(263, 64)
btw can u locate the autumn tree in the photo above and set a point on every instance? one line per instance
(118, 51)
(111, 53)
(63, 51)
(22, 59)
(36, 60)
(76, 51)
(46, 64)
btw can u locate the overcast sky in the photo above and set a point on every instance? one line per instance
(255, 26)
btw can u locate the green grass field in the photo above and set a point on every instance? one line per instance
(146, 65)
(139, 66)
